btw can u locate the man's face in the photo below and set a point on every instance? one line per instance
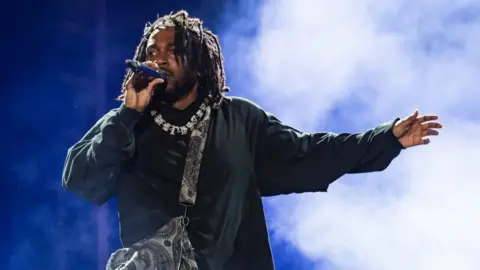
(161, 50)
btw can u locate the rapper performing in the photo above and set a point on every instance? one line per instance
(189, 164)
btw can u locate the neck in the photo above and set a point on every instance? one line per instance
(184, 102)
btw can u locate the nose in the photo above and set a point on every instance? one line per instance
(161, 58)
(160, 61)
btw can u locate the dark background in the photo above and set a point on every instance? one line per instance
(63, 63)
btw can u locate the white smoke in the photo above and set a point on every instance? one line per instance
(348, 65)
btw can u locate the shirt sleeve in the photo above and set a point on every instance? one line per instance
(290, 161)
(93, 164)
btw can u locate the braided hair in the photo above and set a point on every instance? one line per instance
(197, 47)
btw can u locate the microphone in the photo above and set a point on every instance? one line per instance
(138, 67)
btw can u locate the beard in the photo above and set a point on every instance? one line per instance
(180, 89)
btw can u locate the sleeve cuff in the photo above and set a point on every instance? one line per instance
(395, 141)
(129, 117)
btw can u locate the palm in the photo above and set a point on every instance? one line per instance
(143, 98)
(414, 136)
(137, 100)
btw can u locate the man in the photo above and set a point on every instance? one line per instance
(189, 165)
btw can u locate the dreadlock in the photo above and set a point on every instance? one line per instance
(197, 46)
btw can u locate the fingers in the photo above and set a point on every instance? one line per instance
(421, 119)
(139, 81)
(152, 85)
(129, 82)
(425, 141)
(431, 125)
(430, 132)
(152, 65)
(409, 120)
(132, 82)
(425, 118)
(414, 115)
(406, 123)
(429, 128)
(420, 128)
(425, 121)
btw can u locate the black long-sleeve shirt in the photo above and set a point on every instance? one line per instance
(248, 154)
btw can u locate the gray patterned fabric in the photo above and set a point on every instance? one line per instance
(188, 190)
(169, 248)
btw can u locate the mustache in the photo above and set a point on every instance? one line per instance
(163, 70)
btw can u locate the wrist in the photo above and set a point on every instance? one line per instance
(134, 108)
(128, 115)
(396, 129)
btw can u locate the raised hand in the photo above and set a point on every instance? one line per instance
(414, 130)
(138, 99)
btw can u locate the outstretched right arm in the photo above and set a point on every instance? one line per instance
(93, 164)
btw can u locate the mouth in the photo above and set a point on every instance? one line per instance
(166, 72)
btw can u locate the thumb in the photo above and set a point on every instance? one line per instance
(411, 118)
(414, 115)
(402, 126)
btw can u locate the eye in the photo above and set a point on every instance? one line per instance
(152, 53)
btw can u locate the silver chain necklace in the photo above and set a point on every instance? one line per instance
(180, 130)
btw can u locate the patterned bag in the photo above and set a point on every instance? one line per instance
(170, 248)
